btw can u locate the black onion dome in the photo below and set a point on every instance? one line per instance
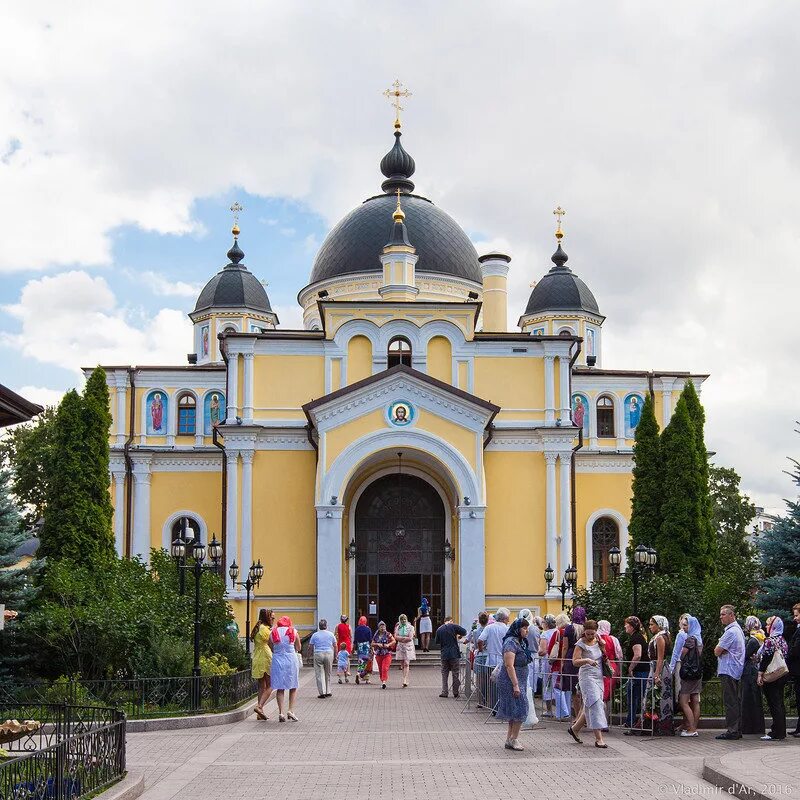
(561, 290)
(398, 166)
(234, 287)
(356, 242)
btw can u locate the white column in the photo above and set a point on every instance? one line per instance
(231, 515)
(141, 510)
(471, 557)
(550, 514)
(666, 398)
(247, 410)
(121, 385)
(247, 510)
(172, 419)
(619, 421)
(119, 511)
(549, 390)
(565, 513)
(233, 388)
(330, 554)
(563, 366)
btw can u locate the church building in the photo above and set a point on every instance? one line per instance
(407, 442)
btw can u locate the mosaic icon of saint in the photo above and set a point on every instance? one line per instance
(578, 412)
(157, 412)
(214, 410)
(634, 412)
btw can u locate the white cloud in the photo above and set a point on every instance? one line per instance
(72, 320)
(291, 317)
(159, 285)
(42, 395)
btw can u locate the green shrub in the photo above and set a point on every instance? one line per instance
(68, 690)
(164, 656)
(215, 664)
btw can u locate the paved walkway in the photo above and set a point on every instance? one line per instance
(410, 743)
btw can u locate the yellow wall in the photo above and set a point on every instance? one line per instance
(174, 491)
(512, 382)
(440, 359)
(515, 519)
(287, 381)
(359, 359)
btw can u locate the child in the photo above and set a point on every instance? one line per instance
(343, 663)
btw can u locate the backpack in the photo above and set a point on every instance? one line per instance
(690, 668)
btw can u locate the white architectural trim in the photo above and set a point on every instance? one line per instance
(549, 390)
(565, 516)
(118, 475)
(140, 545)
(622, 523)
(551, 535)
(166, 530)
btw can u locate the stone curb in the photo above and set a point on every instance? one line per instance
(198, 721)
(713, 772)
(131, 786)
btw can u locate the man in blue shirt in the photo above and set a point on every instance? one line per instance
(324, 644)
(447, 638)
(730, 665)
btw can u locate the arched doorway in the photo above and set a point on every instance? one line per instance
(400, 539)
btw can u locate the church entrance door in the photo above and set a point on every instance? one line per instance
(400, 533)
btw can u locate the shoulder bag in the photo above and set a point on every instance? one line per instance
(777, 667)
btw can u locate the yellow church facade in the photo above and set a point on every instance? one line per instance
(405, 443)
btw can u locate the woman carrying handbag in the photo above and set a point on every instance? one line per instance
(772, 672)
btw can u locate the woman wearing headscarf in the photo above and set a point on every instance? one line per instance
(363, 644)
(344, 634)
(382, 643)
(533, 637)
(588, 659)
(688, 652)
(774, 690)
(548, 632)
(512, 680)
(285, 670)
(425, 624)
(658, 650)
(567, 681)
(612, 650)
(404, 636)
(262, 658)
(751, 703)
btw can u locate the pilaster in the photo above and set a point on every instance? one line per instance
(330, 554)
(471, 562)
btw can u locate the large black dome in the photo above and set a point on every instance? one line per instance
(561, 290)
(356, 242)
(234, 286)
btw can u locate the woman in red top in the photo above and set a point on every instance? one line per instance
(344, 634)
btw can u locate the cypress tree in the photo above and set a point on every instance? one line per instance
(645, 524)
(97, 422)
(698, 415)
(681, 543)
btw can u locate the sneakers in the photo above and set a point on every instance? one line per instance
(513, 744)
(729, 737)
(686, 734)
(443, 694)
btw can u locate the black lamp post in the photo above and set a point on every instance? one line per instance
(254, 576)
(615, 559)
(644, 564)
(567, 582)
(181, 551)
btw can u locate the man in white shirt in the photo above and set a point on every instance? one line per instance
(491, 638)
(324, 644)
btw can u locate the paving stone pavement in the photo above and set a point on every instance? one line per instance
(410, 741)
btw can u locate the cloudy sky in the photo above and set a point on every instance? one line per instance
(671, 134)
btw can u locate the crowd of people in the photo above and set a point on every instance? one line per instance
(576, 664)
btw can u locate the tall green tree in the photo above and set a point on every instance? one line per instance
(698, 415)
(681, 542)
(645, 524)
(25, 450)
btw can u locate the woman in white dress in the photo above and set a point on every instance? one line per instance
(425, 624)
(285, 668)
(405, 653)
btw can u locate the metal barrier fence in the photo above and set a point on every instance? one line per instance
(631, 701)
(142, 698)
(78, 752)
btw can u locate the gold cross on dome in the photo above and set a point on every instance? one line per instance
(396, 91)
(559, 212)
(236, 208)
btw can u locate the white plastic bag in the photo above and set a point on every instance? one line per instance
(531, 719)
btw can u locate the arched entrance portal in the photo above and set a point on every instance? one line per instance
(399, 535)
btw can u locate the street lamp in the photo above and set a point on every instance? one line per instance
(644, 563)
(567, 583)
(182, 550)
(615, 559)
(449, 550)
(352, 551)
(254, 575)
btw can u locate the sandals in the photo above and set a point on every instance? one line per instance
(513, 744)
(574, 735)
(601, 746)
(259, 712)
(281, 718)
(292, 717)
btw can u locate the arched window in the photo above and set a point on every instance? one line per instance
(565, 332)
(399, 352)
(229, 329)
(605, 417)
(605, 535)
(187, 528)
(187, 415)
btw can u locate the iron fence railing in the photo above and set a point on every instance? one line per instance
(77, 752)
(142, 698)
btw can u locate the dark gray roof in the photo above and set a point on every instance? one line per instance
(26, 548)
(561, 290)
(356, 242)
(234, 287)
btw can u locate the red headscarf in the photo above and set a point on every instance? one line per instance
(362, 620)
(283, 622)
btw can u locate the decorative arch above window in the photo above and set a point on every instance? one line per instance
(398, 352)
(187, 414)
(566, 332)
(605, 535)
(605, 417)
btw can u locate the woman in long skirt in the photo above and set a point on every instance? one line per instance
(751, 702)
(588, 660)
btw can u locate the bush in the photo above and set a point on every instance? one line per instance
(68, 690)
(164, 656)
(215, 665)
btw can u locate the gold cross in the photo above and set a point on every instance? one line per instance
(396, 91)
(236, 208)
(559, 212)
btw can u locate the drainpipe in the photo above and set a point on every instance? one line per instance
(650, 386)
(129, 464)
(224, 516)
(573, 501)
